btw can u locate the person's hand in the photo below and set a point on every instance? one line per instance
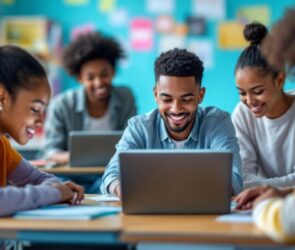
(246, 198)
(78, 191)
(272, 192)
(66, 193)
(61, 157)
(117, 190)
(251, 196)
(70, 192)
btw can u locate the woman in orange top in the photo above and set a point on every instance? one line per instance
(24, 95)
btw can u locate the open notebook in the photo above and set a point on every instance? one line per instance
(68, 212)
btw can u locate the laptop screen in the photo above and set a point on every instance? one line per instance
(92, 148)
(175, 181)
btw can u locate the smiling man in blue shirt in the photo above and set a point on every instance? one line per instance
(178, 122)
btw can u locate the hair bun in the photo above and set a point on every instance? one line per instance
(255, 32)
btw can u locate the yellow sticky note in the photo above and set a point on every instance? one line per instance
(106, 6)
(181, 29)
(230, 35)
(7, 2)
(259, 13)
(76, 2)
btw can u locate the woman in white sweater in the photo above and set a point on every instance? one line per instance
(274, 208)
(264, 119)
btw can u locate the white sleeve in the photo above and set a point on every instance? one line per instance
(288, 215)
(242, 126)
(284, 181)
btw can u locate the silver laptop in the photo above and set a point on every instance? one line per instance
(175, 181)
(92, 148)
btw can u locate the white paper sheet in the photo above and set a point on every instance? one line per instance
(103, 198)
(239, 217)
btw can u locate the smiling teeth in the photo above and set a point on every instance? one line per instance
(177, 118)
(255, 109)
(31, 131)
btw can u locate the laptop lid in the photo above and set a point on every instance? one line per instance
(175, 181)
(92, 148)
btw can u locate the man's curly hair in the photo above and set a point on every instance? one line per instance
(179, 62)
(88, 47)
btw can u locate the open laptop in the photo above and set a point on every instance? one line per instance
(92, 148)
(175, 181)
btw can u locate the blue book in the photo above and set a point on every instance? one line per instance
(68, 212)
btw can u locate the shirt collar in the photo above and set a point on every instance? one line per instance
(163, 131)
(81, 100)
(115, 100)
(195, 131)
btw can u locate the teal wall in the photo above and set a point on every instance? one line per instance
(138, 74)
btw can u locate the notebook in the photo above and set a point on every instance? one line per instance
(92, 148)
(175, 181)
(67, 212)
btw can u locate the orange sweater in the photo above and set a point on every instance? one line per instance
(9, 159)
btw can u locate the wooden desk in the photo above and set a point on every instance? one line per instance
(67, 170)
(202, 229)
(102, 230)
(135, 229)
(197, 229)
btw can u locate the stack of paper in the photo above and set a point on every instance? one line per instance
(67, 212)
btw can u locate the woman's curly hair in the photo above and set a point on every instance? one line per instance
(88, 47)
(279, 45)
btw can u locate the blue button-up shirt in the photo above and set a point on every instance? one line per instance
(212, 129)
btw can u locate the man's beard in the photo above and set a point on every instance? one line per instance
(177, 129)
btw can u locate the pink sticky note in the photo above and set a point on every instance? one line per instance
(142, 34)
